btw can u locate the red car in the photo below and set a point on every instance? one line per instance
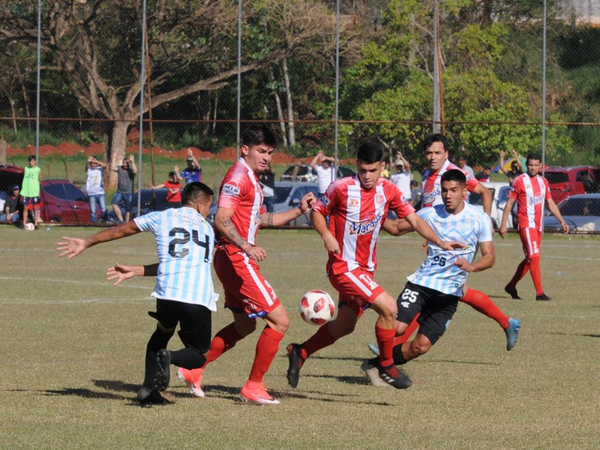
(62, 201)
(567, 181)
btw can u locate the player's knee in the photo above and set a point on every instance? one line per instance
(400, 327)
(420, 346)
(281, 324)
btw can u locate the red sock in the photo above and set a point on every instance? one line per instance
(321, 339)
(385, 341)
(482, 303)
(408, 333)
(536, 274)
(266, 349)
(224, 340)
(520, 273)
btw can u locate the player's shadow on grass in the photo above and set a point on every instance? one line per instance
(86, 393)
(578, 334)
(334, 358)
(343, 379)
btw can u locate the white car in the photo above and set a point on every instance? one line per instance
(581, 212)
(500, 191)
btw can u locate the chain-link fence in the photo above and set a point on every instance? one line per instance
(502, 67)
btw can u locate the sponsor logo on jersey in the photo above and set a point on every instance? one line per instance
(430, 196)
(325, 200)
(368, 281)
(379, 199)
(366, 226)
(536, 200)
(230, 189)
(353, 202)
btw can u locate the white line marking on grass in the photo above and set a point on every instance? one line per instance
(38, 301)
(93, 283)
(570, 257)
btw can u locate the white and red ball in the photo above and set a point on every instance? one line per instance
(29, 226)
(317, 307)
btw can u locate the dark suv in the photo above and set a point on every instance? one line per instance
(567, 181)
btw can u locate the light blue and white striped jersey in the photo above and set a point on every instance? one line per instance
(469, 227)
(184, 242)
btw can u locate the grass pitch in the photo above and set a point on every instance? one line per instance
(73, 348)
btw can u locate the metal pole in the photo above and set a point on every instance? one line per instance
(436, 128)
(337, 87)
(239, 81)
(142, 86)
(545, 31)
(38, 85)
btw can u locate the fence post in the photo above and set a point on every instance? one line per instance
(2, 151)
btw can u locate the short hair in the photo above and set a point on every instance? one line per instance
(31, 158)
(455, 175)
(414, 183)
(432, 139)
(487, 168)
(195, 192)
(462, 158)
(259, 134)
(370, 152)
(172, 174)
(534, 156)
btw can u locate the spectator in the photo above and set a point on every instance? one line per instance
(13, 208)
(267, 181)
(125, 186)
(516, 168)
(385, 173)
(415, 195)
(325, 171)
(94, 186)
(173, 185)
(484, 176)
(402, 176)
(462, 163)
(193, 171)
(30, 192)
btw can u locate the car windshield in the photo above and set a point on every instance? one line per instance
(282, 193)
(580, 207)
(301, 170)
(503, 194)
(557, 177)
(65, 191)
(475, 199)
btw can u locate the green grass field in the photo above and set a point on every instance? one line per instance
(73, 348)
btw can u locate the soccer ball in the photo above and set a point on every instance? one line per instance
(317, 307)
(29, 226)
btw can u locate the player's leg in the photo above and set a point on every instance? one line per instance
(116, 201)
(536, 273)
(524, 266)
(36, 214)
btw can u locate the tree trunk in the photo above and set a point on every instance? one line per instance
(290, 105)
(279, 110)
(14, 114)
(115, 144)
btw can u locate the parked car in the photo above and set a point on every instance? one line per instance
(62, 201)
(581, 212)
(500, 191)
(151, 200)
(567, 181)
(305, 173)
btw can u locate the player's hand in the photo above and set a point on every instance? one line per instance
(119, 273)
(565, 227)
(331, 244)
(256, 253)
(307, 202)
(70, 247)
(176, 168)
(502, 154)
(450, 245)
(503, 231)
(463, 264)
(514, 153)
(190, 153)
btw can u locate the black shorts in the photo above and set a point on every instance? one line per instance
(436, 309)
(194, 322)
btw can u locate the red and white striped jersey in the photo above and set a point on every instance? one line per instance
(356, 216)
(241, 192)
(432, 189)
(530, 193)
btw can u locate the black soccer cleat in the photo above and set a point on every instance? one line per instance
(163, 371)
(294, 352)
(542, 297)
(512, 292)
(146, 397)
(391, 375)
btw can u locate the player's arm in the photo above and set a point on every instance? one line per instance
(228, 230)
(486, 197)
(320, 225)
(507, 210)
(556, 213)
(502, 169)
(132, 166)
(423, 228)
(121, 272)
(487, 260)
(276, 219)
(160, 186)
(72, 247)
(397, 227)
(518, 160)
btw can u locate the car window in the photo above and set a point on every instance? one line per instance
(65, 191)
(557, 177)
(301, 191)
(302, 170)
(345, 172)
(503, 194)
(580, 207)
(56, 190)
(281, 193)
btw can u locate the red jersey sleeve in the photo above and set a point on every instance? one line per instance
(328, 201)
(472, 184)
(232, 191)
(395, 201)
(517, 188)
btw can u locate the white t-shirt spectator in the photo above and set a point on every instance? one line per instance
(94, 184)
(324, 177)
(402, 181)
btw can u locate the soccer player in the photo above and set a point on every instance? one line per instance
(436, 153)
(432, 293)
(184, 288)
(530, 191)
(247, 293)
(357, 207)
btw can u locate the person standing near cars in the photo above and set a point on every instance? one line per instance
(30, 191)
(126, 176)
(173, 186)
(323, 165)
(402, 176)
(94, 186)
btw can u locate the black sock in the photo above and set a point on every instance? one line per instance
(188, 358)
(398, 356)
(158, 340)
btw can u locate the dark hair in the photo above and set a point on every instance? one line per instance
(31, 157)
(195, 192)
(259, 134)
(455, 175)
(414, 183)
(462, 158)
(172, 174)
(370, 152)
(436, 138)
(534, 156)
(487, 168)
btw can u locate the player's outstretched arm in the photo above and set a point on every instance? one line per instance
(277, 219)
(320, 225)
(121, 272)
(228, 230)
(486, 198)
(507, 210)
(556, 213)
(397, 227)
(423, 228)
(72, 247)
(487, 260)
